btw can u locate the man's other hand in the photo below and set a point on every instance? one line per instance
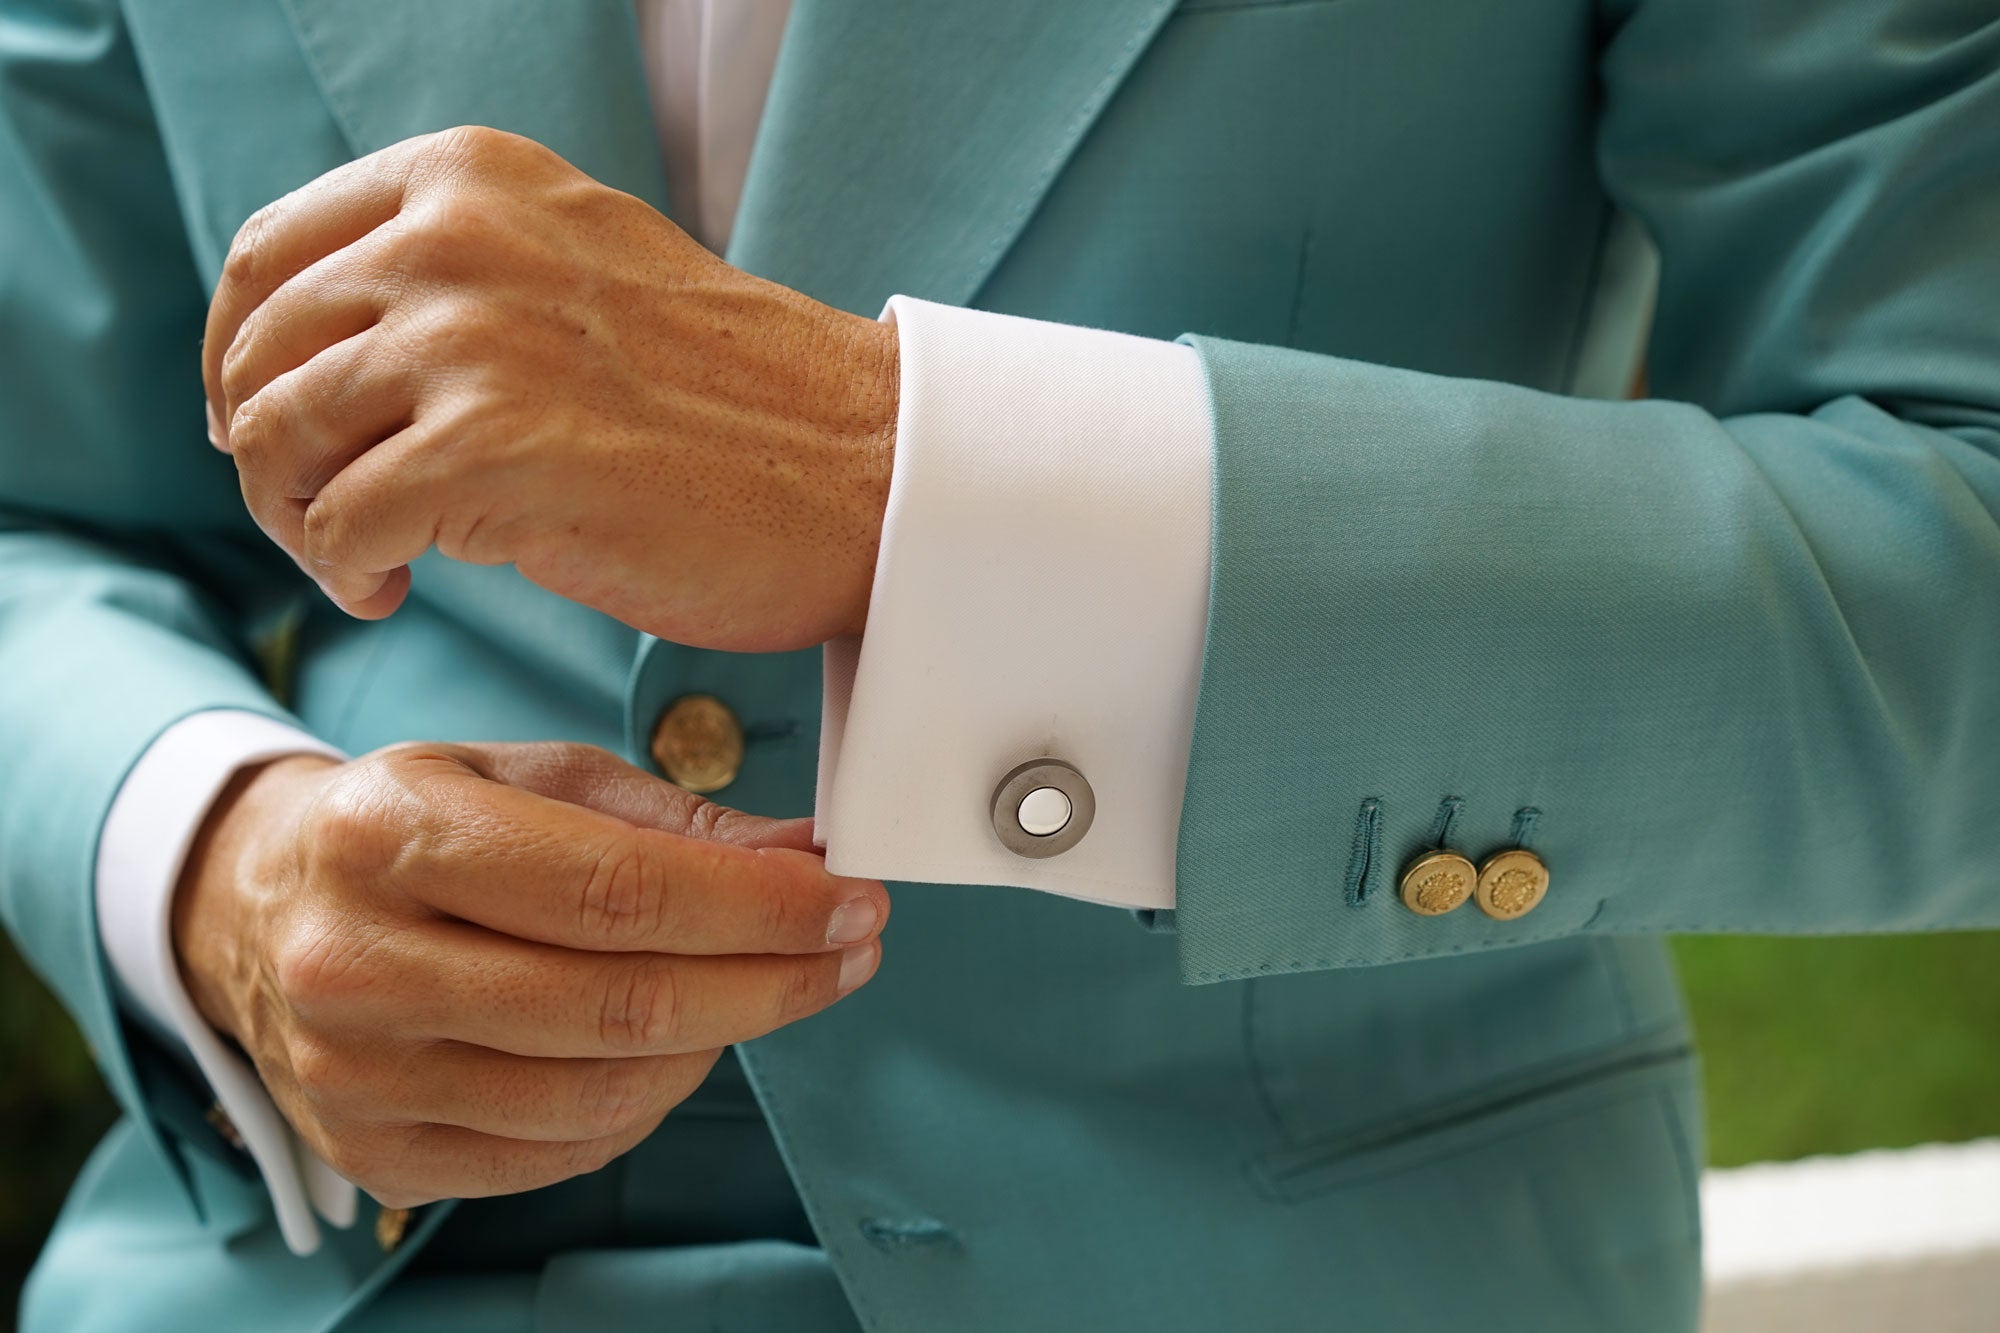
(467, 970)
(463, 342)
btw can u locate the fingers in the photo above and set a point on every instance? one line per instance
(302, 427)
(429, 1162)
(543, 869)
(534, 999)
(509, 1096)
(331, 300)
(283, 238)
(590, 776)
(365, 525)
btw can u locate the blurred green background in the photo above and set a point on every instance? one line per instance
(1811, 1046)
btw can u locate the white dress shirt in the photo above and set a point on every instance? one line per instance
(1042, 591)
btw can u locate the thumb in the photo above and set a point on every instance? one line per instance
(599, 780)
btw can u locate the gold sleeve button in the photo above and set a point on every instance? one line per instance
(698, 743)
(390, 1226)
(1437, 882)
(1511, 884)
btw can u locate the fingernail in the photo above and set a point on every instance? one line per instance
(858, 964)
(214, 427)
(853, 920)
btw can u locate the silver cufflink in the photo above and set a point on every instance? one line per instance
(1043, 807)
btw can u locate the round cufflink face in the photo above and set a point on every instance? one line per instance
(1042, 808)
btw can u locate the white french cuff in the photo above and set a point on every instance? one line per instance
(1041, 594)
(146, 836)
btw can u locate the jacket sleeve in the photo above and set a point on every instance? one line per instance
(1726, 659)
(127, 571)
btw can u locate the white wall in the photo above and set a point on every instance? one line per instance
(1881, 1242)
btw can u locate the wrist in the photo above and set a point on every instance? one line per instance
(875, 379)
(213, 921)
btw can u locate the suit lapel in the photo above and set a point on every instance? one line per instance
(565, 74)
(904, 146)
(906, 142)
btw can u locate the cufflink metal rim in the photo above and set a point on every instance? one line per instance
(1033, 776)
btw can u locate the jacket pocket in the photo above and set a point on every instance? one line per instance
(1299, 1171)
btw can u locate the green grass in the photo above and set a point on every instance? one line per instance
(1811, 1046)
(1833, 1045)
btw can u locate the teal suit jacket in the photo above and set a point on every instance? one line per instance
(1723, 657)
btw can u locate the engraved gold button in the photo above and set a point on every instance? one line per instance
(698, 743)
(1511, 883)
(390, 1224)
(1437, 882)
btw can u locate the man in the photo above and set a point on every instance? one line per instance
(1362, 626)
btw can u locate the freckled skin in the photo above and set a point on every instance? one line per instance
(464, 342)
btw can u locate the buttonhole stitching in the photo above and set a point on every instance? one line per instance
(1364, 853)
(1446, 821)
(885, 1233)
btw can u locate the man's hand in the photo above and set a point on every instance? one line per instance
(463, 341)
(466, 970)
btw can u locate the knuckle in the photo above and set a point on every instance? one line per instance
(317, 966)
(704, 818)
(443, 333)
(452, 221)
(640, 1011)
(236, 365)
(360, 1157)
(258, 427)
(808, 988)
(582, 1158)
(618, 903)
(320, 1071)
(616, 1096)
(348, 838)
(244, 264)
(779, 916)
(468, 142)
(329, 530)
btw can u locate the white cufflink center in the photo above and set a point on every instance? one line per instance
(1044, 811)
(1042, 808)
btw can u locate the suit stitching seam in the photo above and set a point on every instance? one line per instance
(1445, 950)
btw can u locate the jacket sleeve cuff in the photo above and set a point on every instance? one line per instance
(147, 833)
(1041, 592)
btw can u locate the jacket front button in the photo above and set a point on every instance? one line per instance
(1511, 884)
(1437, 882)
(698, 743)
